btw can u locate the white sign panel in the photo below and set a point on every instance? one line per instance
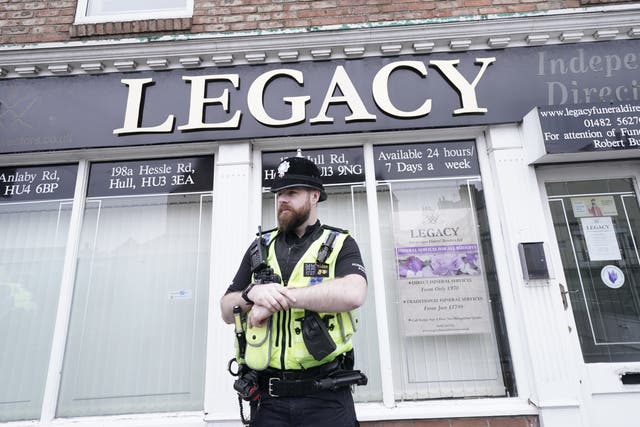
(439, 274)
(600, 237)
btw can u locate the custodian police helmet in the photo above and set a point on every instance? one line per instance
(298, 172)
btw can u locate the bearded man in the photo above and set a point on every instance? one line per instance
(323, 281)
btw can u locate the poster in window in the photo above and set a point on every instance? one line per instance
(439, 273)
(600, 237)
(593, 206)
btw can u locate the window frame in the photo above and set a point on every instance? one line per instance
(81, 16)
(30, 396)
(80, 341)
(67, 282)
(414, 390)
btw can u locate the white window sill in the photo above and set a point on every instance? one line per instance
(132, 17)
(169, 419)
(431, 409)
(451, 408)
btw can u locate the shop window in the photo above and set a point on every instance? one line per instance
(137, 335)
(128, 10)
(345, 207)
(35, 210)
(443, 303)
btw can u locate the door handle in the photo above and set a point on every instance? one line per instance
(563, 294)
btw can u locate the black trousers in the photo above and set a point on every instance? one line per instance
(326, 408)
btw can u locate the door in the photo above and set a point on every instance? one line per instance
(595, 218)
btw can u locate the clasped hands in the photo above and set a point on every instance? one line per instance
(267, 299)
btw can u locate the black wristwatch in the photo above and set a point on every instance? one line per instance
(245, 293)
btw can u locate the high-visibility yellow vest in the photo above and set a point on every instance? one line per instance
(279, 344)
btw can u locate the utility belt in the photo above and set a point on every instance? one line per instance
(303, 374)
(328, 377)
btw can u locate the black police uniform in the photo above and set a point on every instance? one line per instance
(318, 409)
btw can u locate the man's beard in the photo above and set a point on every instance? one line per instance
(292, 219)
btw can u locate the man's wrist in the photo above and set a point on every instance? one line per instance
(245, 294)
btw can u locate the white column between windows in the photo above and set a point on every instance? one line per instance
(515, 329)
(54, 372)
(376, 280)
(231, 235)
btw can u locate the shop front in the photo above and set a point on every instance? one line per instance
(499, 236)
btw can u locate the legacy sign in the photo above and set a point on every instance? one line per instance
(341, 90)
(312, 98)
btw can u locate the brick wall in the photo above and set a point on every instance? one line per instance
(524, 421)
(35, 21)
(25, 21)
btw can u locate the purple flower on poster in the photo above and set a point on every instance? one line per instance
(471, 258)
(411, 266)
(437, 263)
(446, 264)
(613, 276)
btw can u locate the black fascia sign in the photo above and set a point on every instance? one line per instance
(37, 183)
(590, 127)
(155, 176)
(337, 165)
(371, 94)
(426, 160)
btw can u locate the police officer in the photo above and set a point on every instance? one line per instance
(299, 331)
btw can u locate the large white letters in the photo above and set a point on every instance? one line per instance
(467, 91)
(198, 101)
(349, 96)
(380, 88)
(255, 99)
(340, 90)
(134, 107)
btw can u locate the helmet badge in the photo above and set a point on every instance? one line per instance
(283, 168)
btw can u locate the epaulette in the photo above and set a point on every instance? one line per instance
(339, 230)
